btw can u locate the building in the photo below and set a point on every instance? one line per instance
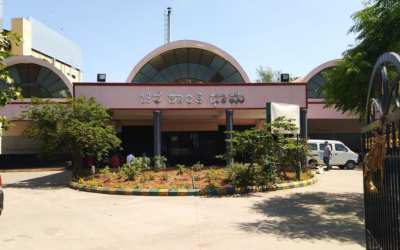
(177, 101)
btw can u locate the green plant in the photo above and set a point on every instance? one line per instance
(312, 175)
(132, 171)
(181, 169)
(152, 176)
(105, 170)
(93, 183)
(212, 185)
(159, 187)
(144, 179)
(197, 177)
(81, 181)
(165, 176)
(118, 185)
(213, 175)
(74, 178)
(137, 186)
(197, 167)
(181, 186)
(159, 162)
(81, 125)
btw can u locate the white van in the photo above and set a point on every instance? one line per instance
(341, 155)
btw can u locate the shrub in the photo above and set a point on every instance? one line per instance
(159, 187)
(197, 178)
(181, 169)
(121, 172)
(93, 183)
(159, 162)
(81, 181)
(312, 175)
(304, 169)
(137, 186)
(213, 185)
(181, 186)
(143, 179)
(152, 176)
(74, 178)
(213, 175)
(105, 170)
(131, 171)
(197, 167)
(237, 174)
(118, 185)
(165, 176)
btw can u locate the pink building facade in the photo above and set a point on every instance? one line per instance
(180, 99)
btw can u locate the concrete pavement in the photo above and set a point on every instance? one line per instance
(41, 213)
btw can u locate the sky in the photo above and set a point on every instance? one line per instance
(294, 36)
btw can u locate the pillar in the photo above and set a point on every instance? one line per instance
(303, 130)
(157, 132)
(229, 127)
(303, 123)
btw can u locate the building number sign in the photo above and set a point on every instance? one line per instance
(178, 98)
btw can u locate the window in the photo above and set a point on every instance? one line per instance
(340, 147)
(313, 146)
(322, 146)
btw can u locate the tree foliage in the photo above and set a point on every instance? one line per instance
(266, 74)
(10, 92)
(268, 145)
(378, 31)
(81, 126)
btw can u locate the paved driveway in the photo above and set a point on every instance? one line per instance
(41, 213)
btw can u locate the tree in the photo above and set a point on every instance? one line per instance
(10, 92)
(81, 126)
(268, 145)
(378, 31)
(266, 74)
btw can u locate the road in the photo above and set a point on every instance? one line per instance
(41, 213)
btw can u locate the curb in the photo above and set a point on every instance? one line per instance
(32, 170)
(191, 192)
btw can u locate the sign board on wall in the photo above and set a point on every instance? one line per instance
(275, 110)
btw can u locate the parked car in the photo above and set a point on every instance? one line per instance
(1, 198)
(341, 155)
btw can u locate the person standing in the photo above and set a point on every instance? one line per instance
(327, 155)
(129, 158)
(114, 161)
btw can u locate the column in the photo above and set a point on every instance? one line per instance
(157, 132)
(303, 130)
(303, 123)
(229, 127)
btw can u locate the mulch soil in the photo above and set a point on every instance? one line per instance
(174, 180)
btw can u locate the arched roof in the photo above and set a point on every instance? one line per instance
(314, 79)
(188, 60)
(37, 77)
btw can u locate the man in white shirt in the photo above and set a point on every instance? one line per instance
(129, 158)
(327, 155)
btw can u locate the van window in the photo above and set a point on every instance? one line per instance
(340, 147)
(313, 146)
(322, 146)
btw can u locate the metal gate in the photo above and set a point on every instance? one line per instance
(381, 154)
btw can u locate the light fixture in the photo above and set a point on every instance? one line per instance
(101, 77)
(285, 78)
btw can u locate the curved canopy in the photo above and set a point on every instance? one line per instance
(38, 81)
(188, 65)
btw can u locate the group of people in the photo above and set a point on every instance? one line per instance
(115, 161)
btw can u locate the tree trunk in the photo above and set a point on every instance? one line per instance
(77, 161)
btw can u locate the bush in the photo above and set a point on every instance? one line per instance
(159, 162)
(213, 185)
(131, 171)
(105, 170)
(159, 187)
(118, 185)
(165, 176)
(213, 175)
(197, 167)
(181, 169)
(237, 174)
(93, 183)
(143, 179)
(81, 181)
(152, 176)
(197, 178)
(304, 169)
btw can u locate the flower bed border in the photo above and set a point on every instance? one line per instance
(194, 192)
